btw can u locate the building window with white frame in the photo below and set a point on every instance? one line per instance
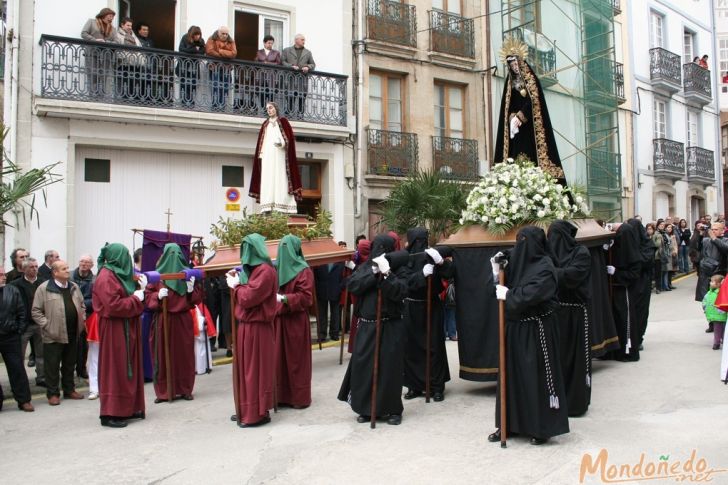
(659, 118)
(688, 46)
(656, 30)
(385, 102)
(723, 59)
(252, 23)
(693, 129)
(449, 110)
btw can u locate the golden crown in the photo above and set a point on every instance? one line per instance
(512, 46)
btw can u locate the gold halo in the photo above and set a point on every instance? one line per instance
(513, 46)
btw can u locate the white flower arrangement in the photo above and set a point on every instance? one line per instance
(517, 193)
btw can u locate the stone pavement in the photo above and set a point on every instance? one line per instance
(667, 405)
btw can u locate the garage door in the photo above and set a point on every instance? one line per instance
(118, 190)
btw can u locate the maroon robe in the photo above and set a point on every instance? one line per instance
(294, 177)
(181, 340)
(293, 341)
(120, 395)
(255, 309)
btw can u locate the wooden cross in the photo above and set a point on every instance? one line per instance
(169, 215)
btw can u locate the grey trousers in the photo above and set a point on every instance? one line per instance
(33, 332)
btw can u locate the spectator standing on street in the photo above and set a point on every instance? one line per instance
(660, 258)
(27, 285)
(84, 278)
(59, 311)
(329, 285)
(12, 326)
(44, 272)
(683, 236)
(712, 261)
(715, 316)
(672, 256)
(16, 260)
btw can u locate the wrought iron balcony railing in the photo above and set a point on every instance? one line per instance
(664, 66)
(619, 81)
(541, 53)
(604, 171)
(391, 21)
(74, 69)
(455, 158)
(696, 80)
(451, 34)
(617, 6)
(604, 80)
(391, 152)
(668, 157)
(701, 164)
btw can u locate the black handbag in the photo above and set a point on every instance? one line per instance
(450, 294)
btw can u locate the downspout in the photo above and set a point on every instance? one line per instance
(488, 125)
(13, 101)
(358, 89)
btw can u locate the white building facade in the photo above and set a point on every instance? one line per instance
(140, 133)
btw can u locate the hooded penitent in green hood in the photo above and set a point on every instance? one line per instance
(173, 261)
(115, 257)
(290, 259)
(252, 253)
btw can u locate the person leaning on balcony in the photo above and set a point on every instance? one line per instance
(704, 61)
(188, 70)
(130, 65)
(266, 81)
(99, 29)
(221, 45)
(300, 59)
(152, 67)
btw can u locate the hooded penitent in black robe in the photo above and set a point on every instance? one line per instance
(643, 286)
(357, 385)
(523, 97)
(535, 400)
(573, 269)
(415, 318)
(602, 328)
(627, 262)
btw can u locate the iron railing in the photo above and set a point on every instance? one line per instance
(696, 80)
(604, 80)
(541, 53)
(391, 21)
(455, 158)
(391, 152)
(78, 70)
(668, 157)
(701, 164)
(452, 34)
(664, 65)
(604, 171)
(619, 80)
(616, 6)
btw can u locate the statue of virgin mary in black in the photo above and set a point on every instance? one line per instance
(524, 125)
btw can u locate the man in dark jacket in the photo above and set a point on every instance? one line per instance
(17, 256)
(12, 325)
(301, 60)
(44, 272)
(26, 285)
(713, 260)
(84, 278)
(329, 284)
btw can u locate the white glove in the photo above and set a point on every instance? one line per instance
(434, 254)
(350, 264)
(500, 292)
(375, 269)
(279, 298)
(428, 269)
(496, 266)
(142, 281)
(610, 270)
(232, 279)
(139, 294)
(162, 293)
(382, 263)
(608, 245)
(191, 285)
(514, 126)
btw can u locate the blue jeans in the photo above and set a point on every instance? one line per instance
(683, 262)
(450, 329)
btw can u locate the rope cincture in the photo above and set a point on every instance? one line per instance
(129, 373)
(587, 355)
(629, 325)
(550, 388)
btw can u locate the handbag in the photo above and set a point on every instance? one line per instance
(450, 294)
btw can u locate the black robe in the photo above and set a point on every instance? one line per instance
(536, 400)
(357, 385)
(643, 286)
(573, 269)
(415, 318)
(603, 330)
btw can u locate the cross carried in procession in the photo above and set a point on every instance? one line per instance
(169, 214)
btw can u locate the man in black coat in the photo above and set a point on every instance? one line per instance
(329, 285)
(26, 285)
(44, 272)
(84, 278)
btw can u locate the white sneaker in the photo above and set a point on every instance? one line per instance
(92, 396)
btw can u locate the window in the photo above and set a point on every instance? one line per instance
(385, 102)
(723, 55)
(693, 129)
(659, 123)
(521, 13)
(449, 110)
(656, 21)
(97, 170)
(688, 46)
(252, 24)
(233, 176)
(449, 6)
(310, 179)
(724, 144)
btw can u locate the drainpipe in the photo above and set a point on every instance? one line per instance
(358, 89)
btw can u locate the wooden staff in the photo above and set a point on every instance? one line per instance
(502, 360)
(609, 255)
(236, 384)
(375, 370)
(276, 338)
(318, 319)
(428, 344)
(165, 322)
(344, 316)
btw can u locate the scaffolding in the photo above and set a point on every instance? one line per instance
(571, 47)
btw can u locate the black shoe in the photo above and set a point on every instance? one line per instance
(40, 383)
(113, 422)
(494, 437)
(263, 421)
(438, 397)
(229, 353)
(363, 419)
(138, 415)
(672, 287)
(642, 347)
(158, 400)
(31, 362)
(716, 347)
(234, 417)
(657, 292)
(335, 338)
(213, 348)
(538, 441)
(709, 329)
(83, 375)
(394, 419)
(411, 394)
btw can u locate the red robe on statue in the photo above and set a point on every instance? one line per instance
(181, 340)
(294, 177)
(293, 341)
(121, 375)
(255, 309)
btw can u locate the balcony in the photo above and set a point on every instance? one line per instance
(665, 70)
(541, 53)
(604, 171)
(616, 6)
(697, 84)
(451, 34)
(76, 70)
(391, 153)
(392, 22)
(701, 166)
(668, 158)
(604, 81)
(455, 158)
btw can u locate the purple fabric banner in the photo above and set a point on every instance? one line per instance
(153, 246)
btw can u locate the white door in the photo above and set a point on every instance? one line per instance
(142, 186)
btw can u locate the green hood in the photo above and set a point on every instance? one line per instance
(115, 257)
(290, 259)
(173, 261)
(252, 253)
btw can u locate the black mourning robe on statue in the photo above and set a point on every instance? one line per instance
(415, 318)
(627, 261)
(643, 286)
(357, 385)
(573, 269)
(535, 397)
